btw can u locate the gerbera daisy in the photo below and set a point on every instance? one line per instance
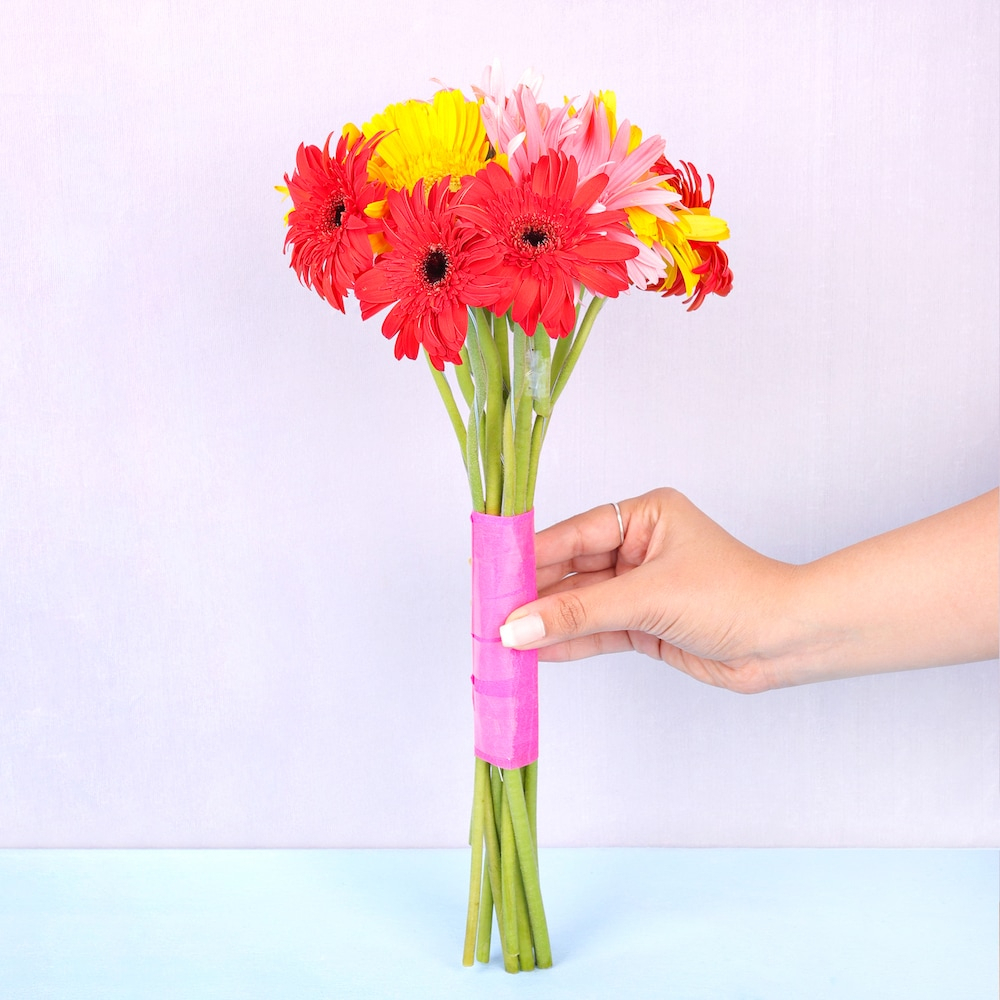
(553, 238)
(526, 129)
(519, 125)
(327, 227)
(436, 269)
(698, 265)
(428, 141)
(600, 145)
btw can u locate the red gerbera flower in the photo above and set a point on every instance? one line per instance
(714, 273)
(686, 182)
(551, 238)
(327, 227)
(435, 269)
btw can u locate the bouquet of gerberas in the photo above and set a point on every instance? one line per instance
(494, 229)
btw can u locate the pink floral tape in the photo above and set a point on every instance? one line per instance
(504, 681)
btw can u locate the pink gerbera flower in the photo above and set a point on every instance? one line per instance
(553, 237)
(518, 125)
(599, 145)
(436, 268)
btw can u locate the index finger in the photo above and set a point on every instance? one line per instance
(570, 543)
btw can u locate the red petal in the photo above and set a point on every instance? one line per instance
(589, 191)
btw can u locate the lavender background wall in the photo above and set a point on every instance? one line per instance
(233, 530)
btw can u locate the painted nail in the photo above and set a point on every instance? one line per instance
(522, 631)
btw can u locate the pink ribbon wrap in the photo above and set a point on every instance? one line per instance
(504, 681)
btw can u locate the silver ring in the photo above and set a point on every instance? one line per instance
(621, 526)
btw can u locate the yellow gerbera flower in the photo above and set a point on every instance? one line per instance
(428, 140)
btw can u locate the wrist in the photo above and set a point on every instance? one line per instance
(801, 641)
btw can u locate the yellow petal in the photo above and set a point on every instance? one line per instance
(684, 257)
(283, 191)
(644, 224)
(379, 243)
(697, 224)
(426, 141)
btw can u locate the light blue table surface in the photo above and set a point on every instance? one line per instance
(333, 924)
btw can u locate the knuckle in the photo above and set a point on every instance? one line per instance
(570, 615)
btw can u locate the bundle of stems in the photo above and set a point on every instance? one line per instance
(509, 383)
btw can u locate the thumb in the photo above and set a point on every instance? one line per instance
(609, 606)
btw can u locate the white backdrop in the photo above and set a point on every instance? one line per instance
(233, 529)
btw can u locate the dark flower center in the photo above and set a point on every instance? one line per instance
(534, 234)
(435, 266)
(335, 212)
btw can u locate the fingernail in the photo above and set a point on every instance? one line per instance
(522, 631)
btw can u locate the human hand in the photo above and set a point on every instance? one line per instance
(678, 588)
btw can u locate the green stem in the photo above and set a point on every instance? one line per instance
(475, 880)
(537, 439)
(448, 398)
(530, 775)
(500, 338)
(579, 341)
(491, 825)
(519, 390)
(464, 377)
(493, 413)
(564, 360)
(485, 930)
(476, 446)
(522, 430)
(542, 372)
(496, 787)
(508, 871)
(492, 860)
(559, 354)
(472, 463)
(510, 469)
(526, 954)
(514, 796)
